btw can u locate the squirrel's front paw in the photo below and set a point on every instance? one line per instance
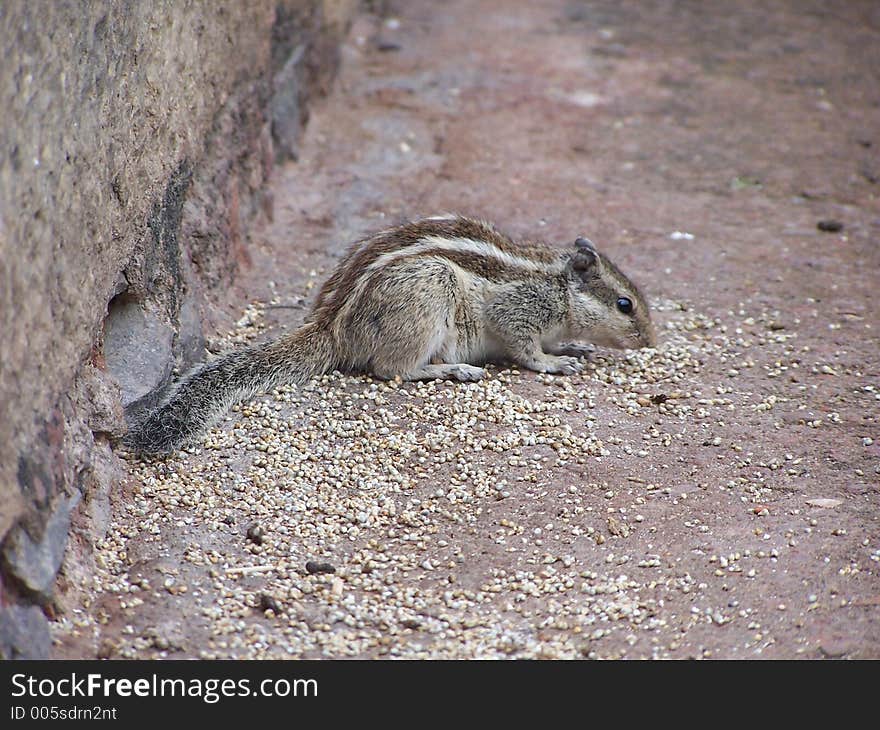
(466, 373)
(566, 365)
(574, 349)
(559, 365)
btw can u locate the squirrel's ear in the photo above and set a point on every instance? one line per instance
(582, 243)
(583, 260)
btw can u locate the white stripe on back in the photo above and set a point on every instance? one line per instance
(469, 246)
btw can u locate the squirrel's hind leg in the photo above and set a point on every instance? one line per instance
(412, 329)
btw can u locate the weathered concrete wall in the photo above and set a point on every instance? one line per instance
(136, 139)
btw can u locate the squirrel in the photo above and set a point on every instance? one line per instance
(431, 299)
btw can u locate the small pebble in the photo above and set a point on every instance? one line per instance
(829, 226)
(314, 568)
(255, 533)
(265, 602)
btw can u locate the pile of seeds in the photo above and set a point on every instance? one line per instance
(343, 518)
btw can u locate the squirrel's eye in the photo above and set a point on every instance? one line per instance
(625, 305)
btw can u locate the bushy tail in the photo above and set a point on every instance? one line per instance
(209, 390)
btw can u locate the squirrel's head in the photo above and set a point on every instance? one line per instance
(607, 308)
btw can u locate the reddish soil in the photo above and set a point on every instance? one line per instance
(741, 125)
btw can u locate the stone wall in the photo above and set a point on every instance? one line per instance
(136, 142)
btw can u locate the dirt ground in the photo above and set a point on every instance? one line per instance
(716, 499)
